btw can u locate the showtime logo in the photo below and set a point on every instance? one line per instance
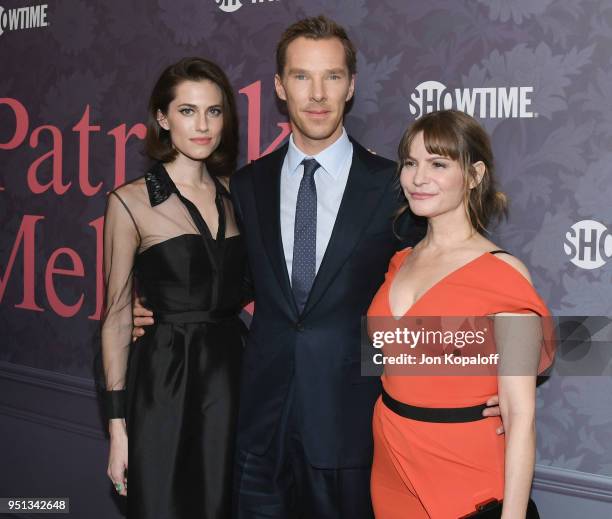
(32, 17)
(229, 6)
(588, 243)
(481, 102)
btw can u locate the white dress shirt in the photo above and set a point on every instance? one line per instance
(330, 179)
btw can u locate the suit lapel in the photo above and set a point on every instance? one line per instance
(362, 195)
(267, 197)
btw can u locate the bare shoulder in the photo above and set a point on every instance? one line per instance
(515, 263)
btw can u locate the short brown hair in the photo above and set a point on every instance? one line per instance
(158, 145)
(454, 134)
(315, 28)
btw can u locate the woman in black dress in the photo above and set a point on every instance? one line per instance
(172, 396)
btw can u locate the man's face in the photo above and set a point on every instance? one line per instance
(316, 84)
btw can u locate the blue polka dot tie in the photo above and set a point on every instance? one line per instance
(305, 235)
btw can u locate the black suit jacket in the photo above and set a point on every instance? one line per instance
(319, 349)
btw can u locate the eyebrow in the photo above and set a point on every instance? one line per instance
(328, 71)
(431, 159)
(189, 105)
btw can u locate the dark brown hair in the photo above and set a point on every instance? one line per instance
(158, 145)
(456, 135)
(315, 28)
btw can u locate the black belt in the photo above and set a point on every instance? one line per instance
(434, 414)
(195, 316)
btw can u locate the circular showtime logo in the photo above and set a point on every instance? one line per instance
(588, 243)
(3, 19)
(229, 6)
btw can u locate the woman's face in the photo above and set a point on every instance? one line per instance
(433, 184)
(194, 119)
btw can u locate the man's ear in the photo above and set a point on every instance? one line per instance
(162, 120)
(479, 172)
(280, 89)
(351, 90)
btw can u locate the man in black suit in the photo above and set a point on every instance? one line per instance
(319, 237)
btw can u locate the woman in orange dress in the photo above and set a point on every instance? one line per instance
(431, 461)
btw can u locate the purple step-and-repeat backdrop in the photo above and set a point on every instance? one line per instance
(538, 74)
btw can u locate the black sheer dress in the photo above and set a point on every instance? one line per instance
(182, 377)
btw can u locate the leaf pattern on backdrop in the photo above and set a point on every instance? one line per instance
(65, 103)
(592, 194)
(369, 83)
(185, 21)
(79, 21)
(515, 10)
(352, 12)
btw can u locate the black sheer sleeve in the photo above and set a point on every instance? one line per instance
(121, 242)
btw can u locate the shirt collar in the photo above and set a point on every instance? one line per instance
(159, 184)
(330, 159)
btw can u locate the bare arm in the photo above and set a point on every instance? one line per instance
(518, 339)
(517, 395)
(493, 402)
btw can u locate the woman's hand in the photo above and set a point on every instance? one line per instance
(118, 455)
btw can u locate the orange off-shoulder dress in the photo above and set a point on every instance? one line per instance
(442, 470)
